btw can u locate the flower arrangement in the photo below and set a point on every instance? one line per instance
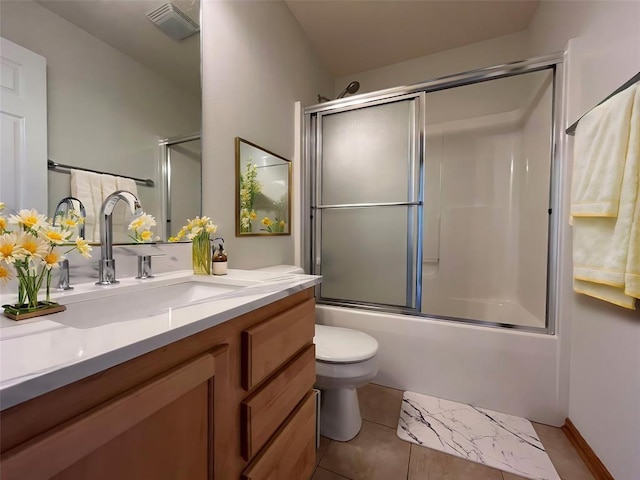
(250, 187)
(140, 227)
(273, 226)
(198, 231)
(33, 249)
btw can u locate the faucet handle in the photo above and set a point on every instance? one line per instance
(144, 267)
(63, 279)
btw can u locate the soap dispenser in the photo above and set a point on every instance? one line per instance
(219, 261)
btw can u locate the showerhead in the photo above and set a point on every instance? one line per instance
(350, 89)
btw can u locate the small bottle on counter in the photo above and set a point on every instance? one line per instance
(219, 260)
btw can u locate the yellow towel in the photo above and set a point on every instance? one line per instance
(632, 274)
(606, 250)
(600, 149)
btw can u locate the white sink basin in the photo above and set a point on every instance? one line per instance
(122, 304)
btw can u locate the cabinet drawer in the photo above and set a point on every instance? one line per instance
(268, 345)
(269, 407)
(291, 454)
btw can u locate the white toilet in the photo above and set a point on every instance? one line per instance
(345, 360)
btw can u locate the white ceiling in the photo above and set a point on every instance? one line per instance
(350, 35)
(124, 25)
(353, 36)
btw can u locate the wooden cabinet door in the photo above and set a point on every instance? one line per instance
(163, 429)
(291, 453)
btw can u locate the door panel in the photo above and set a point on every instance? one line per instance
(23, 114)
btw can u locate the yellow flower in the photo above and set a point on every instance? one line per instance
(10, 251)
(28, 219)
(253, 215)
(1, 206)
(51, 260)
(146, 235)
(266, 221)
(211, 228)
(55, 236)
(143, 222)
(69, 222)
(83, 247)
(5, 275)
(32, 245)
(3, 224)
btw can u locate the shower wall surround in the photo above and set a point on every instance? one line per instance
(487, 200)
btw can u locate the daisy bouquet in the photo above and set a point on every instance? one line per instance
(32, 246)
(198, 231)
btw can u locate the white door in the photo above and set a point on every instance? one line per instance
(23, 119)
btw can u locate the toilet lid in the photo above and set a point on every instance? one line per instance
(343, 345)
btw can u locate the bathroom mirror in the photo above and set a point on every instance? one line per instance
(263, 191)
(118, 92)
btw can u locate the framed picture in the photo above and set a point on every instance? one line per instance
(263, 191)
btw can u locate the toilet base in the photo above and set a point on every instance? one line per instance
(340, 417)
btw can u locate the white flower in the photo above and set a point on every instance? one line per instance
(51, 260)
(32, 246)
(55, 236)
(143, 222)
(83, 247)
(10, 251)
(28, 219)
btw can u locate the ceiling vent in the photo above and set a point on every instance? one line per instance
(173, 21)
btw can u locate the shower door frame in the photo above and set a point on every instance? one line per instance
(165, 145)
(557, 209)
(414, 203)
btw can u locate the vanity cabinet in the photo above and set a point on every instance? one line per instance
(232, 402)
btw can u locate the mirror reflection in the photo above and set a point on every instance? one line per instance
(263, 191)
(119, 92)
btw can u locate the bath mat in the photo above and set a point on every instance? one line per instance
(500, 441)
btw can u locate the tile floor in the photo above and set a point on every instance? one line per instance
(376, 453)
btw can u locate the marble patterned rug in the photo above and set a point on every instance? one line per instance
(500, 441)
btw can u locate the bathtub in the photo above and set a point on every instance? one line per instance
(505, 370)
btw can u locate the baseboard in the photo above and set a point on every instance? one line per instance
(594, 464)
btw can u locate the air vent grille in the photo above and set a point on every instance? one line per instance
(173, 21)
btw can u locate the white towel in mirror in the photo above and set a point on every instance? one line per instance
(86, 187)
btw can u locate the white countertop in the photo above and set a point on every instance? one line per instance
(42, 354)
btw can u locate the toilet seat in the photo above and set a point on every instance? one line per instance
(343, 345)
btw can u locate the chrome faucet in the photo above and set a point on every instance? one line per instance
(66, 204)
(63, 207)
(107, 265)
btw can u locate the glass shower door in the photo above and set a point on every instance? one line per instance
(367, 207)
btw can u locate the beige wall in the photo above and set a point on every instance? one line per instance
(257, 63)
(507, 48)
(605, 339)
(105, 111)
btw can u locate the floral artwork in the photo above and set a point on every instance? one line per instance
(263, 191)
(250, 187)
(31, 245)
(273, 226)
